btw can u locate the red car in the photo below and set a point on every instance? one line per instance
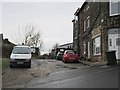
(70, 56)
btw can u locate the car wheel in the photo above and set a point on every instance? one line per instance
(77, 61)
(29, 65)
(64, 61)
(12, 66)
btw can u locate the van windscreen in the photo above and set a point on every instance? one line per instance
(21, 50)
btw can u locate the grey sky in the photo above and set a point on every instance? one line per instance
(53, 18)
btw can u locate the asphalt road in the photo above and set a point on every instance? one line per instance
(85, 77)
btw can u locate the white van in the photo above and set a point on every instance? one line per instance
(21, 55)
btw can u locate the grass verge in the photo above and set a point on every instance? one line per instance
(4, 63)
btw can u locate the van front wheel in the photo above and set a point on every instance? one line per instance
(29, 65)
(12, 66)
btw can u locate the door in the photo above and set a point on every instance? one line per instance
(114, 43)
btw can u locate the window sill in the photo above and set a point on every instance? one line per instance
(97, 54)
(113, 15)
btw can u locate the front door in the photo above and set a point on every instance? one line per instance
(114, 43)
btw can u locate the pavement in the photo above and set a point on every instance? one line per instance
(97, 63)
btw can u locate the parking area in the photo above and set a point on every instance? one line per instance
(41, 68)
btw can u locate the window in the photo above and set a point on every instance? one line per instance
(96, 46)
(70, 52)
(110, 42)
(117, 41)
(21, 50)
(114, 7)
(84, 47)
(87, 23)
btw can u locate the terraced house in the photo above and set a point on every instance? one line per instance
(76, 33)
(99, 26)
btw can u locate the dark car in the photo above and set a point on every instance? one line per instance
(59, 55)
(70, 56)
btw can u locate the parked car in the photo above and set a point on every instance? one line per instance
(21, 55)
(70, 56)
(59, 55)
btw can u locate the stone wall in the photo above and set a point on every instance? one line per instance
(100, 23)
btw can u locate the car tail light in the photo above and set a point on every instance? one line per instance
(76, 55)
(66, 55)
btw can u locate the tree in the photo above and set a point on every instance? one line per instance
(54, 51)
(55, 46)
(31, 36)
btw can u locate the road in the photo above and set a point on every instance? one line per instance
(70, 75)
(89, 77)
(41, 68)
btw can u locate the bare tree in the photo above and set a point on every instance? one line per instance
(32, 36)
(55, 46)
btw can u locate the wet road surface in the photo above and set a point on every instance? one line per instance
(84, 77)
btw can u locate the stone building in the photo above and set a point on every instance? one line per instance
(99, 29)
(76, 32)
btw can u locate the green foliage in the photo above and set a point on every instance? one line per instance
(6, 50)
(4, 63)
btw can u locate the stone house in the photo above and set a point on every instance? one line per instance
(76, 32)
(99, 29)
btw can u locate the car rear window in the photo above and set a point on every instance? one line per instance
(60, 53)
(70, 52)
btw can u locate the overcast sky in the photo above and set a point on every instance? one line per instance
(54, 20)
